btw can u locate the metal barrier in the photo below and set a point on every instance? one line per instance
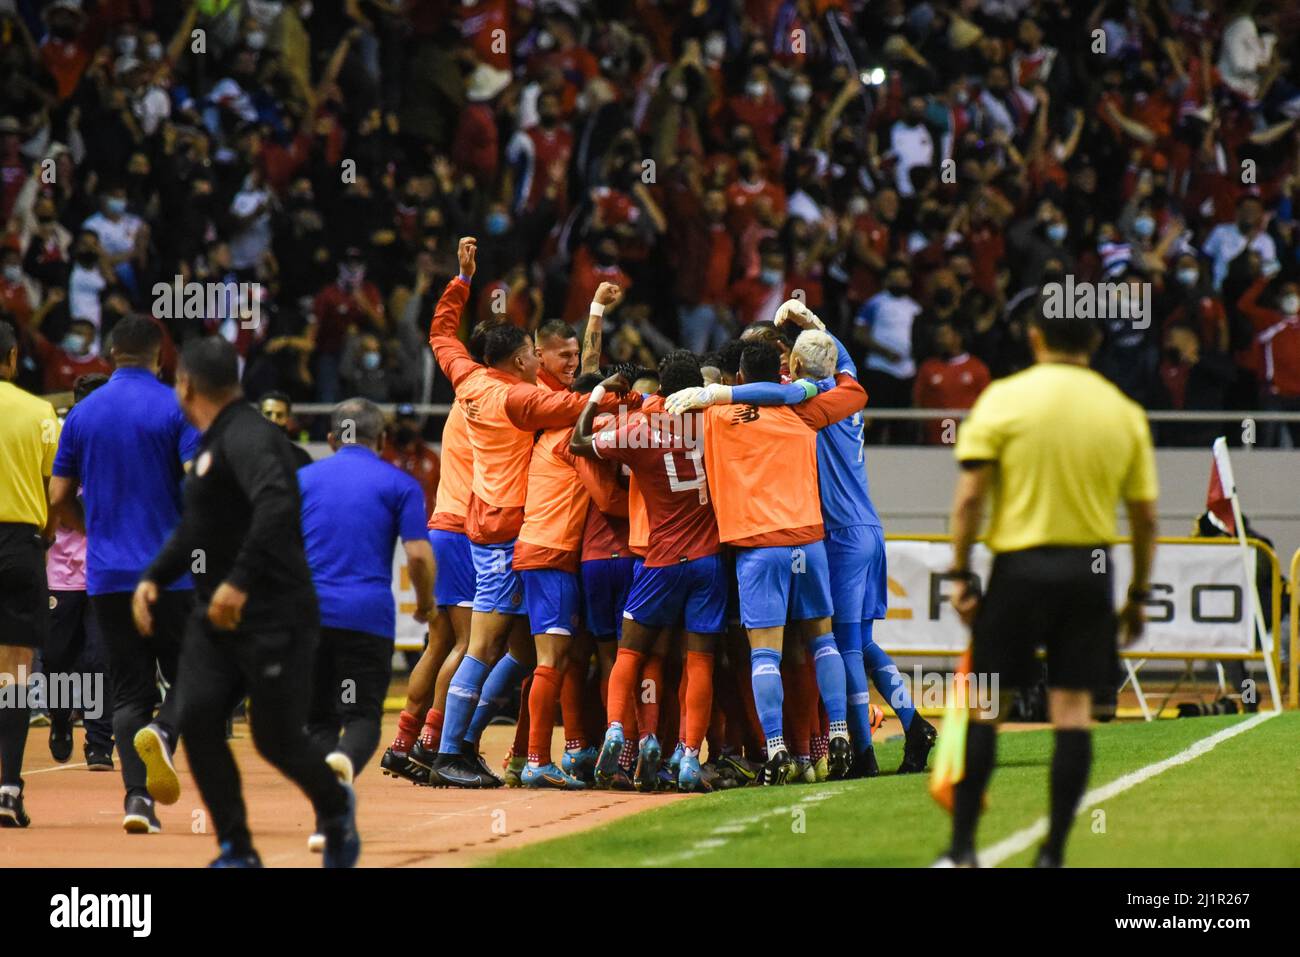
(1293, 671)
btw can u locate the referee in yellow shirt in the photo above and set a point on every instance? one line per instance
(1056, 448)
(29, 436)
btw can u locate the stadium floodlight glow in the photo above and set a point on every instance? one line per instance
(873, 77)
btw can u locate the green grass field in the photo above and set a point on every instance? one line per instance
(1237, 805)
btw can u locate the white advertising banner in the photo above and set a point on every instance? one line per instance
(1198, 605)
(410, 633)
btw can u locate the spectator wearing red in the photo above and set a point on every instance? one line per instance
(62, 364)
(352, 301)
(952, 380)
(405, 447)
(757, 107)
(485, 25)
(538, 159)
(1277, 336)
(476, 147)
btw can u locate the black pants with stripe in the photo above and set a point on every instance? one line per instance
(350, 680)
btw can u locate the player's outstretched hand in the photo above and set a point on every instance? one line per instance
(693, 397)
(466, 250)
(796, 312)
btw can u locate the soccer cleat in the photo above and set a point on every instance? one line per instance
(229, 858)
(864, 766)
(421, 756)
(581, 763)
(514, 769)
(476, 760)
(607, 761)
(777, 770)
(316, 843)
(739, 768)
(622, 781)
(675, 759)
(805, 772)
(12, 813)
(647, 764)
(160, 774)
(948, 860)
(342, 842)
(341, 765)
(61, 738)
(99, 760)
(877, 717)
(399, 765)
(690, 776)
(821, 769)
(457, 771)
(839, 758)
(549, 776)
(920, 739)
(140, 817)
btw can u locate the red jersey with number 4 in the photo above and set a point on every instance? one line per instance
(666, 455)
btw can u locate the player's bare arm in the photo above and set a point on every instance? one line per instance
(967, 511)
(581, 442)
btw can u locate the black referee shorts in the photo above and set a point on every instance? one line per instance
(24, 597)
(1053, 598)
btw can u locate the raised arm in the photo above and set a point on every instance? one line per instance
(608, 295)
(450, 352)
(580, 443)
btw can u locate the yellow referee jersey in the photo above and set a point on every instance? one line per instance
(1068, 447)
(29, 436)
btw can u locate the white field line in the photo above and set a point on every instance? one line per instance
(1024, 839)
(57, 767)
(718, 836)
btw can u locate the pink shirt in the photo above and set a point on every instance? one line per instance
(65, 562)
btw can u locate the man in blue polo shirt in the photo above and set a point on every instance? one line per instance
(355, 508)
(126, 446)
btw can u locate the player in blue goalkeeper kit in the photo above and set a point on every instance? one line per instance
(855, 542)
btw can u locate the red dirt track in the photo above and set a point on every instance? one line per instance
(77, 815)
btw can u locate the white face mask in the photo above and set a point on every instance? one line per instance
(801, 93)
(154, 51)
(715, 47)
(756, 88)
(256, 40)
(13, 273)
(1291, 304)
(1188, 277)
(545, 40)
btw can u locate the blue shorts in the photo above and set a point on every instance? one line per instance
(455, 584)
(551, 597)
(859, 581)
(497, 586)
(783, 583)
(605, 586)
(694, 591)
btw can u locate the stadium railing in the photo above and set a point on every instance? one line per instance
(1293, 671)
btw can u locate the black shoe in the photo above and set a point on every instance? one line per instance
(475, 759)
(456, 771)
(1047, 859)
(777, 770)
(920, 739)
(11, 811)
(342, 842)
(399, 765)
(421, 755)
(60, 737)
(99, 760)
(232, 858)
(864, 766)
(839, 758)
(140, 817)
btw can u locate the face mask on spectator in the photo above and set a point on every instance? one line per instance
(801, 93)
(13, 273)
(154, 51)
(75, 345)
(858, 205)
(351, 275)
(1056, 232)
(1144, 227)
(126, 44)
(497, 223)
(715, 47)
(1188, 277)
(1290, 304)
(256, 40)
(370, 361)
(115, 205)
(770, 276)
(545, 40)
(756, 89)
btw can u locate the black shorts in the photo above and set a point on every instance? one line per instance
(24, 597)
(1053, 598)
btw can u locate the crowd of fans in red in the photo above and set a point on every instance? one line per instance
(917, 172)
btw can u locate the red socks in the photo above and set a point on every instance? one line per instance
(623, 686)
(541, 713)
(572, 689)
(699, 698)
(408, 729)
(648, 694)
(431, 733)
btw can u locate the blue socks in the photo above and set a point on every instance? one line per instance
(848, 636)
(830, 676)
(765, 673)
(462, 696)
(495, 692)
(884, 675)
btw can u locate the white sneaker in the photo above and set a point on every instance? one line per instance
(341, 765)
(316, 843)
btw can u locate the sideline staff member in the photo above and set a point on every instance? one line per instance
(1059, 447)
(29, 435)
(255, 624)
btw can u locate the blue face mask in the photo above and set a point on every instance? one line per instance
(115, 206)
(1056, 232)
(1144, 226)
(770, 277)
(497, 223)
(75, 345)
(370, 361)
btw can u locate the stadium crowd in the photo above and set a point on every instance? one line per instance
(914, 171)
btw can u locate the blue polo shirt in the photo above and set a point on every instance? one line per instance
(125, 444)
(355, 507)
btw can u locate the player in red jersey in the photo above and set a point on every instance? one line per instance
(683, 575)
